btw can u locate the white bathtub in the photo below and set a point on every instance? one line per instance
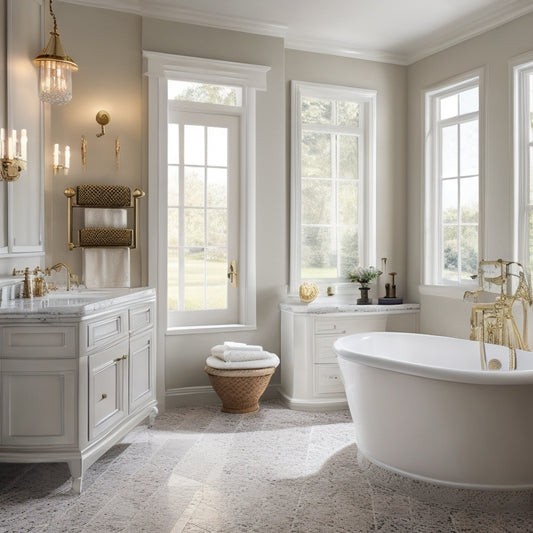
(422, 407)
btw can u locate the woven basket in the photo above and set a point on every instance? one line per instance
(239, 390)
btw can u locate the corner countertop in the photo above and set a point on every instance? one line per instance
(323, 306)
(73, 303)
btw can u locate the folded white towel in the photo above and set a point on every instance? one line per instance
(215, 362)
(218, 350)
(228, 345)
(241, 355)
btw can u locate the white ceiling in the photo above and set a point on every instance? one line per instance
(382, 30)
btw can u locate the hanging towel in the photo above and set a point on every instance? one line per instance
(106, 267)
(105, 218)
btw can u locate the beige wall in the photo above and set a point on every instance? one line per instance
(106, 45)
(490, 51)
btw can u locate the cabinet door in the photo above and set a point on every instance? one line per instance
(108, 388)
(141, 370)
(38, 402)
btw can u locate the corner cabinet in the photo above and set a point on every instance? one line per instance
(310, 375)
(73, 385)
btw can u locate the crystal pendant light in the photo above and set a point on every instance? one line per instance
(56, 69)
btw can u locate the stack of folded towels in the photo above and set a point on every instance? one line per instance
(237, 356)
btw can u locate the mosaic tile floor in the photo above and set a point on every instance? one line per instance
(199, 470)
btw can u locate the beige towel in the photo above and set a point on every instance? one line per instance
(106, 267)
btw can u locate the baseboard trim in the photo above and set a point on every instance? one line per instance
(205, 395)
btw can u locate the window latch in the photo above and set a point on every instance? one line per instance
(232, 273)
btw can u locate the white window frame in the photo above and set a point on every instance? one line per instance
(431, 224)
(367, 171)
(159, 68)
(522, 67)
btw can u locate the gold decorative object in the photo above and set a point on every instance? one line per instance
(308, 292)
(56, 69)
(505, 283)
(13, 154)
(57, 159)
(108, 197)
(117, 152)
(103, 118)
(84, 152)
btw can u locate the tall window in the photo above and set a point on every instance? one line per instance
(332, 181)
(203, 209)
(452, 182)
(202, 190)
(523, 152)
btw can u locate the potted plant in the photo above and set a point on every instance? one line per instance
(363, 276)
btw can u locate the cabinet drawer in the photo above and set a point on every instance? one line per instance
(348, 325)
(324, 348)
(142, 317)
(107, 388)
(328, 379)
(38, 342)
(104, 331)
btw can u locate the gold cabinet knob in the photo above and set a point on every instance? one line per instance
(104, 396)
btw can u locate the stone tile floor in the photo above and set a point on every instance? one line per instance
(199, 470)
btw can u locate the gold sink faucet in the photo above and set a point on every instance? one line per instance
(70, 276)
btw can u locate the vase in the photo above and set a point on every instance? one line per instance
(364, 300)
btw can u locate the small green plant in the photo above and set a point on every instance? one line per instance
(364, 275)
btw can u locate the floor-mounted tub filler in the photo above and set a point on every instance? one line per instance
(422, 407)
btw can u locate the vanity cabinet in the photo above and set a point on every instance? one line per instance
(310, 375)
(74, 382)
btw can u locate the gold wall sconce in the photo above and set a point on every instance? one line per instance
(56, 68)
(103, 118)
(13, 154)
(58, 165)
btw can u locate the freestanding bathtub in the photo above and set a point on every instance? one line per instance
(422, 407)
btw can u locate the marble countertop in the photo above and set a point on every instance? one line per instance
(322, 306)
(73, 303)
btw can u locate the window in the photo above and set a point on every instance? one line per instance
(333, 175)
(202, 190)
(452, 179)
(523, 161)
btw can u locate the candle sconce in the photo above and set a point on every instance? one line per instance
(58, 165)
(13, 154)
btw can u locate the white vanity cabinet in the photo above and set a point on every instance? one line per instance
(75, 377)
(310, 375)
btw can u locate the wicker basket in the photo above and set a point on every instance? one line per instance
(239, 390)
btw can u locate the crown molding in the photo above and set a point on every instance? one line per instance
(343, 49)
(165, 11)
(444, 39)
(436, 42)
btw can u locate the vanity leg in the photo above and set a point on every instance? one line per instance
(76, 471)
(152, 415)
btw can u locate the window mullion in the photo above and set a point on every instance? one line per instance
(181, 217)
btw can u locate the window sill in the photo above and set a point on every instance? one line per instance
(455, 292)
(220, 328)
